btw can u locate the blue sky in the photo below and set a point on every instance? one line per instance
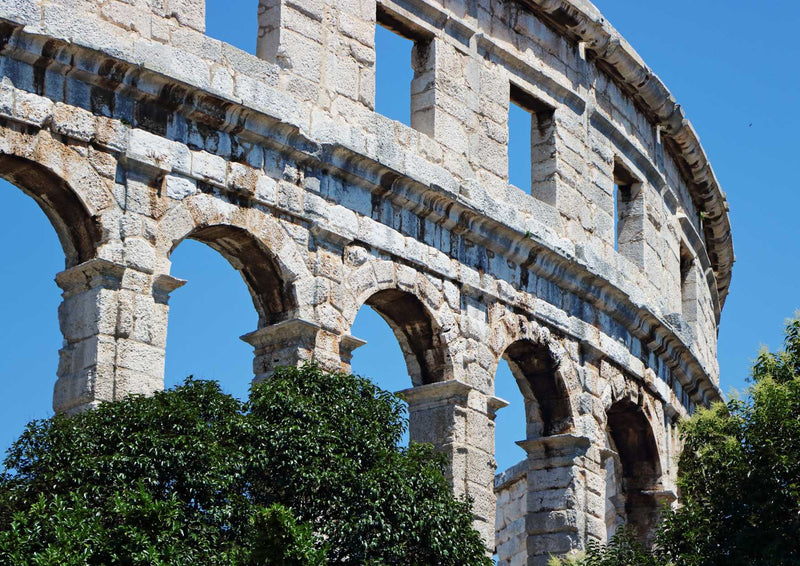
(734, 69)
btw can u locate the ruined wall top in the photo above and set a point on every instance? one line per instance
(309, 91)
(578, 21)
(582, 22)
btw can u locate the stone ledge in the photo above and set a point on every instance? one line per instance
(581, 21)
(554, 261)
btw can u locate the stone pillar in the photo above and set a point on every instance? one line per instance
(325, 48)
(114, 322)
(291, 343)
(445, 102)
(550, 502)
(459, 421)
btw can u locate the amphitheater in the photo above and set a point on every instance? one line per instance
(602, 286)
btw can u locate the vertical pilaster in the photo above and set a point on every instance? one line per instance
(292, 343)
(547, 505)
(88, 319)
(444, 98)
(113, 319)
(325, 48)
(459, 421)
(347, 344)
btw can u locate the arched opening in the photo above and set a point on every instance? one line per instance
(528, 378)
(272, 296)
(403, 349)
(77, 230)
(510, 424)
(636, 469)
(547, 410)
(29, 300)
(34, 202)
(234, 285)
(381, 358)
(417, 333)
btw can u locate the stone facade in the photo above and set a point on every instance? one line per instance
(134, 130)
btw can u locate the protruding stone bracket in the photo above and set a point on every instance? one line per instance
(89, 275)
(494, 404)
(607, 454)
(164, 285)
(663, 497)
(347, 344)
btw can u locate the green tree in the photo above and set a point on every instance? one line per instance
(306, 473)
(739, 472)
(622, 550)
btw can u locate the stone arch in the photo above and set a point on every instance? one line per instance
(634, 450)
(76, 228)
(542, 368)
(415, 311)
(547, 403)
(272, 295)
(63, 184)
(254, 244)
(417, 332)
(74, 192)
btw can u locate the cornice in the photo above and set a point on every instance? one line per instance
(582, 22)
(538, 252)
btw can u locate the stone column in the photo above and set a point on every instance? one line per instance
(445, 102)
(114, 321)
(459, 421)
(547, 503)
(293, 342)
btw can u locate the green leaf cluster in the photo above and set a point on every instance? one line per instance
(622, 550)
(306, 472)
(740, 472)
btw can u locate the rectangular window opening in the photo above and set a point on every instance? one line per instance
(625, 193)
(531, 145)
(402, 72)
(240, 23)
(688, 283)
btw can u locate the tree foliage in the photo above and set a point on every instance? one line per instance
(622, 550)
(740, 472)
(306, 473)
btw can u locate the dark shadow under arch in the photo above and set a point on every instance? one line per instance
(547, 406)
(418, 334)
(636, 447)
(79, 232)
(273, 296)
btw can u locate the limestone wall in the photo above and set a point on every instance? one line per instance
(134, 131)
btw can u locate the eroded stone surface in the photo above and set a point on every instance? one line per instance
(134, 131)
